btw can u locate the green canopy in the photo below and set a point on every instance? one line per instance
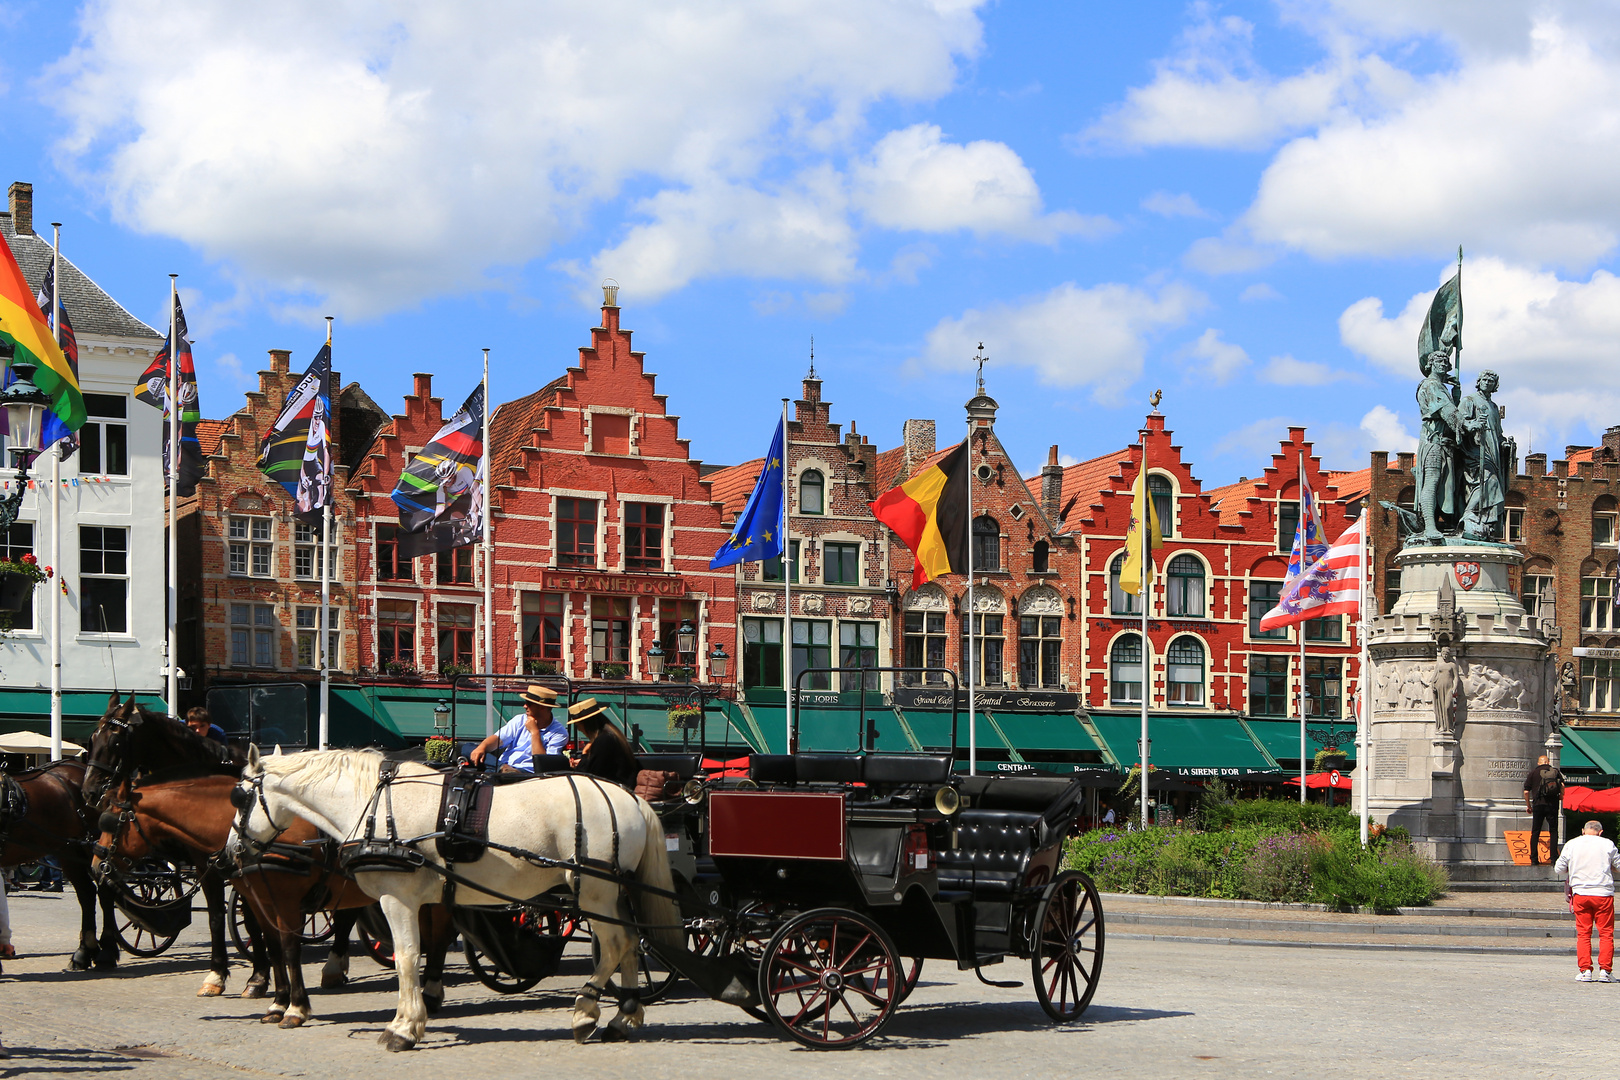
(82, 710)
(1184, 745)
(1281, 737)
(1045, 731)
(1600, 747)
(1573, 759)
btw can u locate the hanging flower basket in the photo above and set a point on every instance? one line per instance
(685, 718)
(17, 580)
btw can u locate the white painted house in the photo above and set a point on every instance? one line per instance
(111, 556)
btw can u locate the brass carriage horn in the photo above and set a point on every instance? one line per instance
(947, 801)
(692, 792)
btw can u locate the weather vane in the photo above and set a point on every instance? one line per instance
(981, 358)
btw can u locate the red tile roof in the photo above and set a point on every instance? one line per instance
(209, 433)
(513, 420)
(731, 487)
(890, 464)
(1231, 500)
(1351, 484)
(1084, 482)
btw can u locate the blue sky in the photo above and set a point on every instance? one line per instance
(1245, 204)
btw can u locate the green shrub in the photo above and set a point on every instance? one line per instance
(1282, 814)
(1394, 875)
(1279, 868)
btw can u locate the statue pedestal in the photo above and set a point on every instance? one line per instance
(1456, 781)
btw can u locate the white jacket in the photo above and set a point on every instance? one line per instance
(1589, 862)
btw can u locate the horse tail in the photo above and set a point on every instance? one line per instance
(660, 913)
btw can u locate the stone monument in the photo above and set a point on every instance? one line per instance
(1462, 696)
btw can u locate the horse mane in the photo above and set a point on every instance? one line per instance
(189, 771)
(195, 747)
(360, 767)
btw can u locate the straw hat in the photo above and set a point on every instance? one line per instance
(540, 695)
(585, 710)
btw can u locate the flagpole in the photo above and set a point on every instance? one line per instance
(1303, 533)
(56, 514)
(1363, 715)
(173, 686)
(973, 659)
(326, 583)
(1145, 526)
(489, 571)
(787, 576)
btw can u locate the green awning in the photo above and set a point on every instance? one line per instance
(1573, 759)
(1601, 747)
(1045, 731)
(1281, 737)
(1184, 745)
(82, 710)
(358, 720)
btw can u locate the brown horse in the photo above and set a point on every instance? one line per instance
(50, 819)
(298, 876)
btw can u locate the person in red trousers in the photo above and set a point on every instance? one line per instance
(1587, 865)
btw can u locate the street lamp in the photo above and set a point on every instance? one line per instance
(686, 637)
(25, 406)
(719, 662)
(441, 716)
(655, 659)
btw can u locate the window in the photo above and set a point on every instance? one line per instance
(643, 536)
(812, 648)
(1534, 590)
(1186, 597)
(1322, 696)
(1184, 664)
(610, 433)
(390, 567)
(1603, 528)
(307, 552)
(1120, 602)
(772, 570)
(841, 564)
(1327, 628)
(1164, 504)
(1125, 671)
(104, 438)
(1268, 685)
(1287, 524)
(924, 644)
(1597, 603)
(456, 635)
(1040, 651)
(812, 494)
(1600, 684)
(396, 632)
(991, 646)
(454, 567)
(857, 648)
(576, 532)
(610, 631)
(103, 579)
(1263, 596)
(542, 626)
(16, 542)
(1392, 589)
(762, 652)
(247, 546)
(1515, 525)
(986, 553)
(671, 613)
(253, 635)
(1042, 558)
(305, 620)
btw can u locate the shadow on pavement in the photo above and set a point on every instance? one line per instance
(29, 1062)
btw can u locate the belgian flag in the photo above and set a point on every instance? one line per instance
(929, 513)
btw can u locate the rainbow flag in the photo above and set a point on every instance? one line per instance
(25, 329)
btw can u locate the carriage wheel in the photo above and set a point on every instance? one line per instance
(1066, 946)
(485, 971)
(908, 979)
(158, 888)
(239, 934)
(829, 979)
(654, 977)
(379, 949)
(318, 927)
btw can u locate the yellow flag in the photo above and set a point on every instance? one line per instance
(1131, 578)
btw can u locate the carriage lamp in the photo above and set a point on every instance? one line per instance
(719, 662)
(25, 406)
(441, 716)
(655, 659)
(891, 593)
(686, 637)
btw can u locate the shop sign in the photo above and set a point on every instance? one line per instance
(1596, 653)
(939, 697)
(620, 584)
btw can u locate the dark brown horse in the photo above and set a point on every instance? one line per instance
(50, 818)
(134, 741)
(298, 876)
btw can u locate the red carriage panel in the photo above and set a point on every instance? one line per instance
(776, 825)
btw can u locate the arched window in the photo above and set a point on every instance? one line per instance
(1042, 559)
(1185, 668)
(1164, 503)
(811, 489)
(1125, 671)
(1120, 602)
(1186, 587)
(986, 543)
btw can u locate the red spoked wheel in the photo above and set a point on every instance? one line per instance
(1066, 946)
(910, 973)
(829, 979)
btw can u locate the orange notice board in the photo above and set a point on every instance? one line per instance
(1518, 842)
(776, 825)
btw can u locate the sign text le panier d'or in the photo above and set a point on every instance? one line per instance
(623, 584)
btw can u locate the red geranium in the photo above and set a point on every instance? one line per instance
(29, 559)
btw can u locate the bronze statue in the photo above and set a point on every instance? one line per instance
(1483, 463)
(1437, 446)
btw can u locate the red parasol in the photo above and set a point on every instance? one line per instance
(1335, 780)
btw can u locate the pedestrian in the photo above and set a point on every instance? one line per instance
(1108, 818)
(607, 752)
(197, 720)
(531, 733)
(1587, 865)
(1543, 800)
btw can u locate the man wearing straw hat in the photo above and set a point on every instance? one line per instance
(530, 733)
(607, 753)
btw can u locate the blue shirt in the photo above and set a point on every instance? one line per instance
(516, 748)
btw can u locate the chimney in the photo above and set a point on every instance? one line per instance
(22, 208)
(918, 437)
(1534, 465)
(1051, 485)
(280, 361)
(610, 293)
(424, 386)
(1611, 439)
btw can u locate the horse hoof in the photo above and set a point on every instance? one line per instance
(106, 965)
(271, 1018)
(210, 990)
(432, 1004)
(333, 980)
(612, 1033)
(582, 1033)
(394, 1043)
(253, 990)
(292, 1020)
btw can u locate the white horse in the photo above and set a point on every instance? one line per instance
(337, 791)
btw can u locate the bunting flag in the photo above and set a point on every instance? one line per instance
(758, 533)
(929, 515)
(29, 335)
(297, 451)
(1132, 579)
(440, 494)
(153, 388)
(1329, 585)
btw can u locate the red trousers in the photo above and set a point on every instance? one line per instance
(1601, 910)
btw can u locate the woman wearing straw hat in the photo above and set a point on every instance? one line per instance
(607, 753)
(530, 733)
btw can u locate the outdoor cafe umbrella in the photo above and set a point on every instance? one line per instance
(1334, 780)
(27, 742)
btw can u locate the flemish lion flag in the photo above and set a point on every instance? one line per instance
(24, 328)
(297, 451)
(929, 515)
(1131, 578)
(440, 494)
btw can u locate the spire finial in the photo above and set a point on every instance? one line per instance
(981, 358)
(812, 357)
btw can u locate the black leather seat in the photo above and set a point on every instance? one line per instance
(771, 769)
(829, 768)
(684, 766)
(992, 852)
(550, 763)
(897, 769)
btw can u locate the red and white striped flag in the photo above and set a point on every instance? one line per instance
(1329, 586)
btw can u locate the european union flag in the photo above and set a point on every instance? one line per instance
(758, 533)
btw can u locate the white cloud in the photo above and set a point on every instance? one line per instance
(1071, 336)
(1288, 371)
(386, 154)
(1383, 430)
(1257, 441)
(1171, 206)
(1259, 291)
(1066, 460)
(1222, 359)
(1226, 255)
